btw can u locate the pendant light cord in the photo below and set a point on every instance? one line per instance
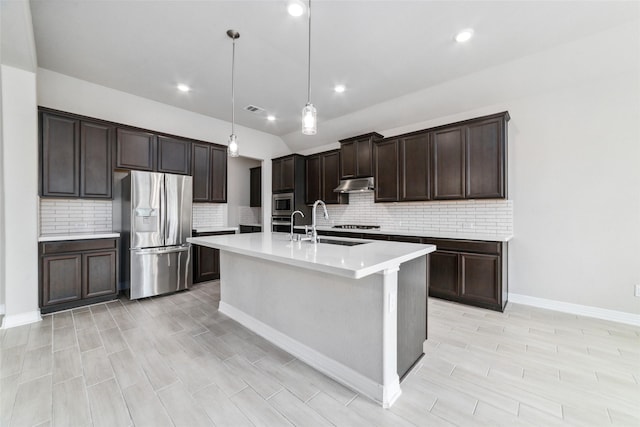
(233, 95)
(309, 58)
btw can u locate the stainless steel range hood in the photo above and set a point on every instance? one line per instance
(355, 185)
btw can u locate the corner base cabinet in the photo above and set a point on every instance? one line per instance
(77, 272)
(206, 261)
(469, 272)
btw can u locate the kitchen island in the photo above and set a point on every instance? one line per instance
(354, 309)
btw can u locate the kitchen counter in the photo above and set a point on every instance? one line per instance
(433, 234)
(76, 236)
(301, 295)
(348, 261)
(215, 229)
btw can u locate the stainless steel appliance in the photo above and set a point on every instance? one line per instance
(355, 185)
(357, 227)
(281, 224)
(282, 204)
(156, 222)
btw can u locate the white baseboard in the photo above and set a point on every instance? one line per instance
(581, 310)
(319, 361)
(13, 320)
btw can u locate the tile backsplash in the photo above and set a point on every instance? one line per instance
(488, 217)
(209, 214)
(59, 216)
(249, 215)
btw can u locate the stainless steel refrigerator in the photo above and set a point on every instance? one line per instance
(155, 224)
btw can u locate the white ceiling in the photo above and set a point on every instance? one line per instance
(379, 49)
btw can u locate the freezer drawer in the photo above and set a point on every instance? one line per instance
(158, 271)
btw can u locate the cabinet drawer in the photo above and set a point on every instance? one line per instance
(78, 246)
(213, 233)
(465, 245)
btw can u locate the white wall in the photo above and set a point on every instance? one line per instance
(69, 94)
(20, 189)
(574, 163)
(238, 186)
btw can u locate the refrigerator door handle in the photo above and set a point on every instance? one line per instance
(163, 210)
(158, 251)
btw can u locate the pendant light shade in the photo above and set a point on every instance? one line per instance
(232, 147)
(309, 120)
(309, 113)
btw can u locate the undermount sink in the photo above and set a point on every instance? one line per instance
(340, 242)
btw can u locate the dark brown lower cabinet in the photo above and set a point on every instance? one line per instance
(471, 272)
(206, 261)
(250, 229)
(77, 272)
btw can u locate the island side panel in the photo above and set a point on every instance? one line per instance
(412, 312)
(336, 316)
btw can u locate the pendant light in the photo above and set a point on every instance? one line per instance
(309, 114)
(233, 140)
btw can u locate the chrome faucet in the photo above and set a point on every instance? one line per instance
(291, 235)
(314, 232)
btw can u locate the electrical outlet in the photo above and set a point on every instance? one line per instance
(637, 291)
(468, 225)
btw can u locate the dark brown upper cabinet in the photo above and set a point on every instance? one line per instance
(174, 155)
(59, 156)
(287, 173)
(486, 158)
(323, 175)
(415, 169)
(76, 157)
(386, 155)
(209, 171)
(356, 155)
(448, 165)
(96, 160)
(135, 150)
(313, 181)
(255, 187)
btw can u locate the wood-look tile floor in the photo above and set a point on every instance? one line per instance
(175, 360)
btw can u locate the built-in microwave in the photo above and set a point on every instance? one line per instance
(282, 204)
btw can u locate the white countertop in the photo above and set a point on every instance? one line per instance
(349, 261)
(214, 229)
(76, 236)
(434, 234)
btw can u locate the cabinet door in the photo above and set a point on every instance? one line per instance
(480, 281)
(99, 274)
(218, 175)
(331, 178)
(276, 175)
(364, 157)
(60, 156)
(201, 171)
(443, 274)
(415, 180)
(96, 160)
(448, 163)
(288, 179)
(485, 159)
(174, 155)
(207, 264)
(255, 187)
(61, 279)
(135, 150)
(313, 181)
(386, 171)
(348, 160)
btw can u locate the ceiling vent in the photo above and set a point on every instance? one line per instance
(254, 109)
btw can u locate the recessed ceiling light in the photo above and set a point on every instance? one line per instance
(295, 8)
(339, 88)
(271, 118)
(183, 88)
(464, 36)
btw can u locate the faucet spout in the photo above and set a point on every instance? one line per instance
(291, 235)
(314, 232)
